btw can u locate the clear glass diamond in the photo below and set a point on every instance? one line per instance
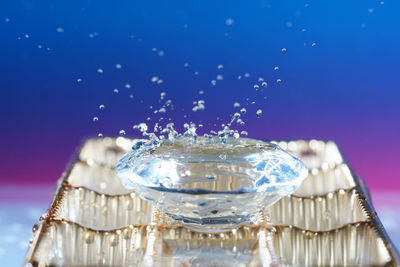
(209, 185)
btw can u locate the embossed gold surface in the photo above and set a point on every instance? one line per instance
(94, 220)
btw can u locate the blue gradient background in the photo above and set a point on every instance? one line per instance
(345, 89)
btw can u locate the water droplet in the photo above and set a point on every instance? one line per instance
(264, 84)
(239, 77)
(26, 36)
(79, 80)
(7, 20)
(201, 92)
(244, 133)
(100, 135)
(154, 79)
(213, 82)
(303, 30)
(284, 50)
(243, 111)
(122, 133)
(160, 81)
(118, 66)
(161, 53)
(116, 91)
(247, 75)
(256, 87)
(60, 30)
(370, 10)
(196, 73)
(101, 107)
(229, 21)
(100, 71)
(278, 80)
(259, 113)
(276, 68)
(236, 115)
(154, 49)
(186, 65)
(131, 96)
(220, 66)
(261, 79)
(236, 105)
(313, 44)
(39, 46)
(199, 105)
(220, 77)
(127, 85)
(141, 127)
(95, 119)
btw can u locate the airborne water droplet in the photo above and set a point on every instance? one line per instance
(116, 91)
(244, 133)
(264, 84)
(284, 50)
(122, 133)
(236, 105)
(100, 71)
(243, 111)
(259, 113)
(101, 107)
(229, 21)
(220, 66)
(95, 119)
(100, 135)
(278, 80)
(276, 68)
(256, 87)
(118, 66)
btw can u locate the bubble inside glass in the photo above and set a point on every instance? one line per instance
(208, 185)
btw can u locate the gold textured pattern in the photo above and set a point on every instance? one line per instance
(94, 220)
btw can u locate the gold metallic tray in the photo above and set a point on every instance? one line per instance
(94, 220)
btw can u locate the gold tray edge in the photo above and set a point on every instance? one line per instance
(361, 188)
